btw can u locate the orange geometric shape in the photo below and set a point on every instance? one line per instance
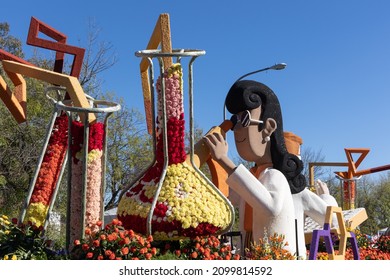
(202, 155)
(59, 46)
(352, 166)
(15, 100)
(161, 35)
(71, 83)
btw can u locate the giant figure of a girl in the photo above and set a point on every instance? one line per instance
(266, 205)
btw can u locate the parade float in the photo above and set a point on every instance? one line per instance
(172, 200)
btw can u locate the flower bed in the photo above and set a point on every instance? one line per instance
(114, 242)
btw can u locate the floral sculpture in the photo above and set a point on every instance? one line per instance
(94, 176)
(49, 173)
(187, 205)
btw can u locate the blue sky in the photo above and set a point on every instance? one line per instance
(334, 92)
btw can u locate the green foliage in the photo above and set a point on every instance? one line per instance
(24, 241)
(383, 244)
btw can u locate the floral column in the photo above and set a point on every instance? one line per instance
(86, 166)
(50, 168)
(349, 193)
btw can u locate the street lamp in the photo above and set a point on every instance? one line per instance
(279, 66)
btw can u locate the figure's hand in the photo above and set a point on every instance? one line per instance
(219, 150)
(217, 145)
(321, 187)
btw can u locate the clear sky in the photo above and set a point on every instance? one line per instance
(334, 92)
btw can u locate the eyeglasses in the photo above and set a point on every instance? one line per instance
(245, 119)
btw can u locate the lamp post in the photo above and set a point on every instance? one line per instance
(278, 66)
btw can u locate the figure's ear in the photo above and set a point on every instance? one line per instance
(270, 126)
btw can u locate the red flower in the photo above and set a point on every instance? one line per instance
(85, 247)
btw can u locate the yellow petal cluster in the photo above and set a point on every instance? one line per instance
(36, 213)
(188, 197)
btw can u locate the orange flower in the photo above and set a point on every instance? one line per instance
(149, 239)
(143, 250)
(88, 231)
(148, 256)
(125, 250)
(113, 236)
(194, 255)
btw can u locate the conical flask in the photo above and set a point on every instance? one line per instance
(173, 199)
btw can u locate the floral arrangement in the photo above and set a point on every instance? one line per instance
(269, 248)
(113, 242)
(20, 241)
(205, 248)
(94, 176)
(49, 173)
(187, 206)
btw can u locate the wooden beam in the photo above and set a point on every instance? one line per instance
(71, 83)
(161, 36)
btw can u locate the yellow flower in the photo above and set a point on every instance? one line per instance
(36, 213)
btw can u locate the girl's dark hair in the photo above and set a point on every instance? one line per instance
(247, 95)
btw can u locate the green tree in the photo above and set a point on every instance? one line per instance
(129, 151)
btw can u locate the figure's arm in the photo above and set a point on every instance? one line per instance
(268, 193)
(242, 181)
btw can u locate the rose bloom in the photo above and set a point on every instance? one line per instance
(85, 247)
(89, 255)
(125, 250)
(194, 255)
(148, 256)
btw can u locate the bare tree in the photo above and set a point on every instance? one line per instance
(99, 57)
(309, 155)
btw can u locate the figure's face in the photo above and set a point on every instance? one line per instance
(249, 140)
